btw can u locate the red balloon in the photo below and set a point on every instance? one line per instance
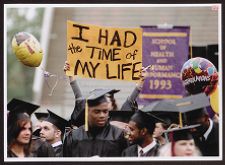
(199, 75)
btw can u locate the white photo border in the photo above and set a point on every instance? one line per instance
(116, 159)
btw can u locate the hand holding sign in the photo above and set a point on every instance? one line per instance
(143, 75)
(67, 68)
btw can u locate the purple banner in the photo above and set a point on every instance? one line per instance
(166, 50)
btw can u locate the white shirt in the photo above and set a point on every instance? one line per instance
(206, 134)
(56, 143)
(147, 148)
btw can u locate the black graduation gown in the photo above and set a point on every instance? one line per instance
(132, 151)
(41, 148)
(58, 150)
(11, 154)
(108, 141)
(210, 147)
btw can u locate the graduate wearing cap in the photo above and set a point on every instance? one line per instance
(160, 127)
(192, 110)
(207, 135)
(141, 127)
(162, 109)
(19, 128)
(52, 130)
(37, 125)
(181, 142)
(97, 137)
(78, 115)
(130, 104)
(40, 148)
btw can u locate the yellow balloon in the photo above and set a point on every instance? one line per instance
(27, 49)
(214, 100)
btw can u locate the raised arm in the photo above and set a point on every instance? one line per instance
(130, 104)
(73, 83)
(79, 102)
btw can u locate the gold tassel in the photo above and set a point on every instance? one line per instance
(86, 116)
(180, 120)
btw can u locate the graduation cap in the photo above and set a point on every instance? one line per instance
(183, 133)
(192, 107)
(122, 116)
(145, 120)
(37, 132)
(56, 120)
(178, 107)
(109, 91)
(98, 96)
(163, 109)
(41, 115)
(16, 106)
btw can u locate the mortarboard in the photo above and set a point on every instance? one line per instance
(109, 91)
(192, 106)
(163, 109)
(56, 120)
(41, 115)
(37, 132)
(180, 106)
(98, 96)
(122, 116)
(183, 133)
(16, 106)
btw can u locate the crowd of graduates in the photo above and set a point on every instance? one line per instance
(164, 128)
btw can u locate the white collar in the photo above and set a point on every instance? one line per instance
(57, 143)
(147, 148)
(206, 134)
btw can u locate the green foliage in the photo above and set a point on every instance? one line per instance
(20, 77)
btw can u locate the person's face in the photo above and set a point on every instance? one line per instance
(184, 147)
(135, 133)
(24, 136)
(203, 121)
(98, 115)
(48, 132)
(158, 130)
